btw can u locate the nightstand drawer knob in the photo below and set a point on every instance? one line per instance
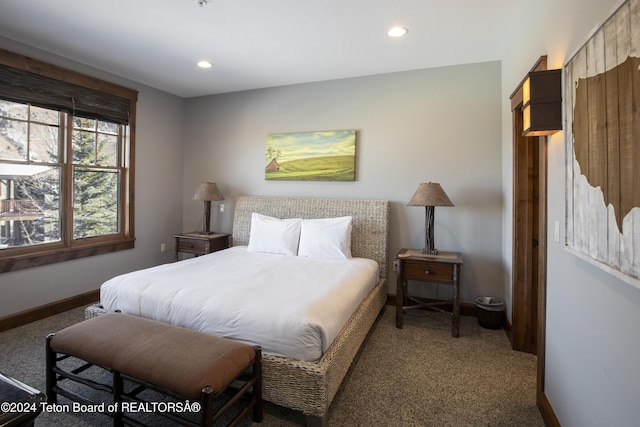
(191, 246)
(427, 272)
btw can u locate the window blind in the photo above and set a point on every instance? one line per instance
(23, 86)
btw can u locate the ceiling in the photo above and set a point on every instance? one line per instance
(259, 43)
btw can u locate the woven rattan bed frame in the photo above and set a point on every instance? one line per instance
(310, 387)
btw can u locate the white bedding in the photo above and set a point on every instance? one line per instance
(292, 306)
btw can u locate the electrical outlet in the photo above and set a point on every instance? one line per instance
(163, 247)
(221, 207)
(395, 266)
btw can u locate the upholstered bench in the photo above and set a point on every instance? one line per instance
(183, 364)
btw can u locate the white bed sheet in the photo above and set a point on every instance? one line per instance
(292, 306)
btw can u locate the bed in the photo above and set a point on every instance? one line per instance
(308, 383)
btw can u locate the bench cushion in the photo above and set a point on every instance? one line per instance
(182, 360)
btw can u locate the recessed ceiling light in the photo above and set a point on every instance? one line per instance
(397, 32)
(205, 64)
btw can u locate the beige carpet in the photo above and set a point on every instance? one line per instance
(416, 376)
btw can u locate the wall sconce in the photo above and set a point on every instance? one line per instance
(429, 195)
(207, 191)
(542, 103)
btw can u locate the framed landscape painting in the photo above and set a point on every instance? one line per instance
(311, 156)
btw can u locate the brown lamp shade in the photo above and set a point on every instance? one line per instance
(542, 103)
(430, 194)
(208, 191)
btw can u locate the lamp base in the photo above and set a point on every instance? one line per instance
(426, 251)
(206, 233)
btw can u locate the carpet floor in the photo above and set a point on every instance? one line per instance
(416, 376)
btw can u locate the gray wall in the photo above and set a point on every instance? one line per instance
(593, 339)
(440, 125)
(158, 211)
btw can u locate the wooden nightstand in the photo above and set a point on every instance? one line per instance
(442, 268)
(200, 244)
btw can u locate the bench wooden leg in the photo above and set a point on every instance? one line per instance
(50, 374)
(207, 406)
(118, 388)
(258, 407)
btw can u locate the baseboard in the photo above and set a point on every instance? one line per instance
(465, 309)
(506, 324)
(549, 417)
(56, 307)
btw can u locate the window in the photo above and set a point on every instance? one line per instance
(66, 164)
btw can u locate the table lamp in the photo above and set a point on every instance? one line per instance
(429, 195)
(207, 191)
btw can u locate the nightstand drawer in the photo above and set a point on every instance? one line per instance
(195, 246)
(426, 271)
(218, 244)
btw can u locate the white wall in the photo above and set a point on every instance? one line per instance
(593, 338)
(158, 197)
(440, 125)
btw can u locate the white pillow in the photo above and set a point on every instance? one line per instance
(326, 238)
(274, 235)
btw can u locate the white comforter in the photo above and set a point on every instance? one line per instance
(292, 306)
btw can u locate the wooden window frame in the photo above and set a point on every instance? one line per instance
(18, 258)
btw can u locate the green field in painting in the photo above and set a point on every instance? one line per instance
(330, 168)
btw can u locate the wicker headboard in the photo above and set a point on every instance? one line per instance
(369, 237)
